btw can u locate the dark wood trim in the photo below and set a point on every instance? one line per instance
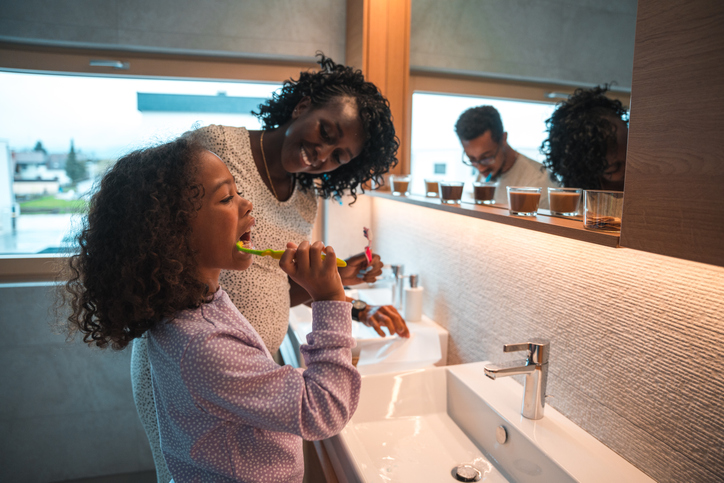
(674, 203)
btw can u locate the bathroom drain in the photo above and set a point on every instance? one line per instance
(466, 473)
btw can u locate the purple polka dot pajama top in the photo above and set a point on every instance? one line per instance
(228, 412)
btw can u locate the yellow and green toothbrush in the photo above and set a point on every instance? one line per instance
(276, 254)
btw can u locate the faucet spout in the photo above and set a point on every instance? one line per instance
(535, 369)
(509, 369)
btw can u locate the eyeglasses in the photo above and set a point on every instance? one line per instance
(481, 162)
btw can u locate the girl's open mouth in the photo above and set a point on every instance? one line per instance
(245, 238)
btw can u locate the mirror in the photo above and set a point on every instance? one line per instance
(520, 57)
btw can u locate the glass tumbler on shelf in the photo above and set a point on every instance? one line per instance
(432, 188)
(400, 184)
(484, 192)
(602, 210)
(451, 192)
(523, 200)
(564, 201)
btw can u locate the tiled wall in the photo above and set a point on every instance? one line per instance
(562, 40)
(636, 337)
(66, 411)
(265, 28)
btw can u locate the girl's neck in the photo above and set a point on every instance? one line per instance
(211, 280)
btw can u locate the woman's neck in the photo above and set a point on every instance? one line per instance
(266, 147)
(271, 157)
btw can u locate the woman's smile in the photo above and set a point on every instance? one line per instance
(320, 139)
(305, 157)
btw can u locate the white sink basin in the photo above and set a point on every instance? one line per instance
(426, 346)
(420, 425)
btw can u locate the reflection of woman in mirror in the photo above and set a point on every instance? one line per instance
(586, 145)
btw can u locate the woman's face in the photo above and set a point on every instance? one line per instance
(613, 176)
(323, 138)
(223, 220)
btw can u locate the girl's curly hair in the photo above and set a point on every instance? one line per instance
(579, 136)
(333, 81)
(134, 266)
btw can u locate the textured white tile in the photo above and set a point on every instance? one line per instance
(636, 337)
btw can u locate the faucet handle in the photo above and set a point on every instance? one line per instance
(538, 349)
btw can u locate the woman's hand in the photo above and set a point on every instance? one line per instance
(384, 315)
(358, 270)
(318, 277)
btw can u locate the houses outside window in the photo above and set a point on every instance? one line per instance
(60, 132)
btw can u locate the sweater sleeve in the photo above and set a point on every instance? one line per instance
(231, 377)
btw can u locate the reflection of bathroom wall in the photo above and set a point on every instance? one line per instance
(633, 334)
(560, 40)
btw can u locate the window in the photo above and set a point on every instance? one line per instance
(434, 142)
(60, 132)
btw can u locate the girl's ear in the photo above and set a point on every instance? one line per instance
(302, 106)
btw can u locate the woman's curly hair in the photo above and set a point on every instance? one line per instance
(579, 136)
(333, 81)
(134, 266)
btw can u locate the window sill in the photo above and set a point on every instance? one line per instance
(31, 268)
(554, 225)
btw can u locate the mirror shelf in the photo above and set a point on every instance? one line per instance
(554, 225)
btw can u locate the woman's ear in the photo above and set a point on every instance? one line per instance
(301, 107)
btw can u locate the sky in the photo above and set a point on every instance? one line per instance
(100, 114)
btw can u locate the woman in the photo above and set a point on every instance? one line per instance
(587, 140)
(324, 135)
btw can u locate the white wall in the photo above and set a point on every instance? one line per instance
(635, 337)
(568, 41)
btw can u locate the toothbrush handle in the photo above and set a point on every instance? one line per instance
(277, 254)
(340, 262)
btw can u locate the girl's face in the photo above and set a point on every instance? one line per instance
(321, 139)
(222, 221)
(614, 174)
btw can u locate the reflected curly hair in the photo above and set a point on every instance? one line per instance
(579, 136)
(331, 82)
(134, 266)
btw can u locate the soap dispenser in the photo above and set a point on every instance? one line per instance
(413, 300)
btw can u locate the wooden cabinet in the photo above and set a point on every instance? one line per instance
(674, 193)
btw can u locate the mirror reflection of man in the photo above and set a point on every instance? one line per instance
(486, 148)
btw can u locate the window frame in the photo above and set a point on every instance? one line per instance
(20, 268)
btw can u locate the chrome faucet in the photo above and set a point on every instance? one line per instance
(398, 276)
(535, 368)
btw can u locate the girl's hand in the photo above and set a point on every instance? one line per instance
(319, 277)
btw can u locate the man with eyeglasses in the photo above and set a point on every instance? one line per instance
(485, 147)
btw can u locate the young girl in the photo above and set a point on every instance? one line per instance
(162, 226)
